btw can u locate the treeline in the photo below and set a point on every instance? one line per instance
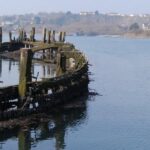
(79, 24)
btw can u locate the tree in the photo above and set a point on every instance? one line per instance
(37, 20)
(134, 27)
(68, 13)
(97, 12)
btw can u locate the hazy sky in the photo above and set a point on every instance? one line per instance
(34, 6)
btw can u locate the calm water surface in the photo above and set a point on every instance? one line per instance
(119, 119)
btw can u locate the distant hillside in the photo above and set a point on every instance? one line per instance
(85, 23)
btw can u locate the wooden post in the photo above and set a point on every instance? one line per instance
(10, 39)
(25, 71)
(58, 68)
(21, 35)
(44, 35)
(53, 35)
(49, 37)
(1, 35)
(63, 36)
(49, 54)
(33, 33)
(10, 36)
(60, 37)
(44, 71)
(25, 36)
(61, 64)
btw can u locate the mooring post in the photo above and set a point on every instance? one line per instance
(1, 34)
(25, 71)
(44, 35)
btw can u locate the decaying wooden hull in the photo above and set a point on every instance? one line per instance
(29, 96)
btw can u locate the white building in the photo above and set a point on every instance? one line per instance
(6, 23)
(87, 13)
(146, 27)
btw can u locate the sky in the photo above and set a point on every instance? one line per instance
(10, 7)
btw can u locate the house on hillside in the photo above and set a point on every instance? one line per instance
(146, 26)
(84, 13)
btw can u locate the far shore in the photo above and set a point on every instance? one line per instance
(130, 35)
(126, 35)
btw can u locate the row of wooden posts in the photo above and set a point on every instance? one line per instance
(26, 56)
(48, 36)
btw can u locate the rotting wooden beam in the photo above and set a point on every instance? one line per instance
(25, 71)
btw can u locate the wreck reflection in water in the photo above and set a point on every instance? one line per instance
(9, 71)
(52, 131)
(53, 127)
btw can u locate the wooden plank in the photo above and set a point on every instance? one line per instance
(25, 70)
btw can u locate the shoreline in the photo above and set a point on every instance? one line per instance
(114, 36)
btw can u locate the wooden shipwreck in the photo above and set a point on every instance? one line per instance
(33, 96)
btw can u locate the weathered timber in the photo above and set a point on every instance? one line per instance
(10, 36)
(62, 36)
(71, 76)
(32, 34)
(49, 37)
(53, 36)
(25, 71)
(44, 35)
